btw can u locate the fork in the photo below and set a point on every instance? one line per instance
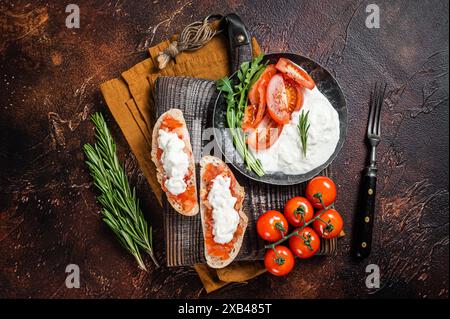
(365, 215)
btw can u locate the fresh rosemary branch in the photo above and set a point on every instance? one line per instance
(236, 97)
(303, 128)
(120, 207)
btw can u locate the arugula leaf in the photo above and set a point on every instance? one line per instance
(236, 97)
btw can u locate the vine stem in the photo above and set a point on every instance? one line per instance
(297, 232)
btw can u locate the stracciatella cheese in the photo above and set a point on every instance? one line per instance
(286, 155)
(225, 217)
(174, 161)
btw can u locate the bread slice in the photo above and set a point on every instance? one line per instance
(215, 261)
(176, 204)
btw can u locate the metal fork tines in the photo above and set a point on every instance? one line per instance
(365, 215)
(374, 125)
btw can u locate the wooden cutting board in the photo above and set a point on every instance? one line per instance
(183, 235)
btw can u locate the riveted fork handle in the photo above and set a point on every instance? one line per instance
(365, 215)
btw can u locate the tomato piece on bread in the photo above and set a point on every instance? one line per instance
(172, 121)
(219, 255)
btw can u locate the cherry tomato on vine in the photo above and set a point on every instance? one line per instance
(330, 223)
(271, 226)
(305, 244)
(298, 210)
(279, 261)
(324, 186)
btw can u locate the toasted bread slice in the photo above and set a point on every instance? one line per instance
(206, 210)
(185, 206)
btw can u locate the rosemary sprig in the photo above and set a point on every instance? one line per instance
(120, 207)
(303, 128)
(236, 97)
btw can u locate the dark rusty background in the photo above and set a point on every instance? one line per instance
(49, 80)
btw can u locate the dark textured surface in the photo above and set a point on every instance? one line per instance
(49, 79)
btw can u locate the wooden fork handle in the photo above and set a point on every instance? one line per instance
(365, 215)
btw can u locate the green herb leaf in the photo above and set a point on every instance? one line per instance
(121, 211)
(303, 128)
(236, 97)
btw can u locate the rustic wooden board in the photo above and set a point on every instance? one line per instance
(183, 234)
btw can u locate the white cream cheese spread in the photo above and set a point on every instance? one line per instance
(286, 155)
(225, 217)
(174, 161)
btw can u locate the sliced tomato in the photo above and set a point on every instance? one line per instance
(257, 94)
(265, 134)
(254, 95)
(299, 101)
(294, 96)
(248, 121)
(277, 100)
(262, 102)
(295, 72)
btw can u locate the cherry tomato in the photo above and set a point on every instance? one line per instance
(324, 186)
(264, 135)
(277, 100)
(305, 244)
(279, 261)
(298, 210)
(329, 225)
(295, 72)
(271, 226)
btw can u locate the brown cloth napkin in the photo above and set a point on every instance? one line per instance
(131, 102)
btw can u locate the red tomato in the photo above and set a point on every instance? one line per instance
(253, 94)
(265, 134)
(249, 118)
(294, 96)
(295, 72)
(324, 186)
(298, 211)
(257, 94)
(271, 226)
(277, 100)
(305, 244)
(279, 261)
(329, 225)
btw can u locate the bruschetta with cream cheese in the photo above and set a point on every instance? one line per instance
(223, 219)
(172, 155)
